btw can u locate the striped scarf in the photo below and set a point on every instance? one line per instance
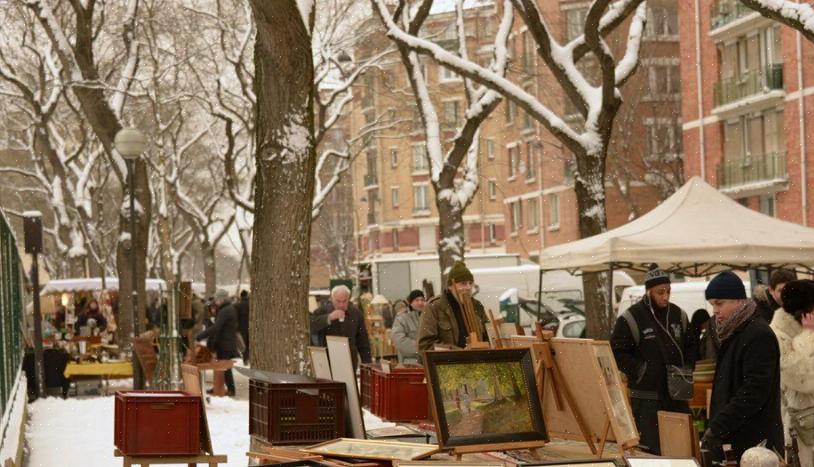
(725, 329)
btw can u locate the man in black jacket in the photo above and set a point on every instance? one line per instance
(768, 299)
(745, 406)
(243, 322)
(338, 317)
(222, 335)
(648, 337)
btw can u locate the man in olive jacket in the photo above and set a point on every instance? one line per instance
(442, 321)
(745, 405)
(648, 337)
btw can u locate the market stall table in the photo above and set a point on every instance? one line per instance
(104, 371)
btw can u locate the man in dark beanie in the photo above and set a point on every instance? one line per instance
(745, 405)
(405, 328)
(442, 321)
(650, 341)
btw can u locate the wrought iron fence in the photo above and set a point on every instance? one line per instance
(752, 169)
(723, 12)
(750, 83)
(12, 305)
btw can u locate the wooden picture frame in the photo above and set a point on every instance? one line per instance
(467, 395)
(577, 463)
(372, 449)
(635, 461)
(342, 370)
(677, 435)
(320, 363)
(616, 402)
(446, 463)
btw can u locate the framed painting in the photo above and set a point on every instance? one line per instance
(577, 463)
(373, 449)
(660, 462)
(446, 464)
(484, 398)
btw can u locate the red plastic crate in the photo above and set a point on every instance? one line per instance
(366, 384)
(157, 423)
(400, 395)
(296, 412)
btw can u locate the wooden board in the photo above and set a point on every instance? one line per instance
(676, 433)
(320, 363)
(580, 368)
(342, 370)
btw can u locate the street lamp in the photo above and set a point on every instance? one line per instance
(130, 143)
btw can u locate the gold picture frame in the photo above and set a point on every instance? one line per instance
(373, 449)
(446, 463)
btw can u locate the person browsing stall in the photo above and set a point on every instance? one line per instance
(339, 317)
(443, 320)
(405, 327)
(652, 344)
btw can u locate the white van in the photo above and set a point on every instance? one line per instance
(689, 296)
(558, 286)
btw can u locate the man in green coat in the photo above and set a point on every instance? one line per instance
(442, 321)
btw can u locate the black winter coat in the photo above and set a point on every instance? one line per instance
(223, 334)
(655, 349)
(243, 318)
(353, 327)
(745, 406)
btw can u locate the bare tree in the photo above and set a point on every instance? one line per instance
(799, 16)
(597, 104)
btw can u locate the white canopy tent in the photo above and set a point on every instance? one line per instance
(696, 231)
(94, 284)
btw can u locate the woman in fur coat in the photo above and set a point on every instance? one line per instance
(793, 324)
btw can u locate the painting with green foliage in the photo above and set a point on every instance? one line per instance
(484, 398)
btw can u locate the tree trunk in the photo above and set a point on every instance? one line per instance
(210, 274)
(451, 224)
(590, 189)
(286, 163)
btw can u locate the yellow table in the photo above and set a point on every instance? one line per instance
(104, 371)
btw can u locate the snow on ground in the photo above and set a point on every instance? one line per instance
(79, 432)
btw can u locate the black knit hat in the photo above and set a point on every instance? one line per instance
(655, 276)
(726, 286)
(413, 295)
(460, 273)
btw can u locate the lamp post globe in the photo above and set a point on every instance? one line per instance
(130, 143)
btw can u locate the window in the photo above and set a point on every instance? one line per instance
(514, 160)
(451, 113)
(754, 135)
(447, 74)
(528, 53)
(767, 205)
(662, 21)
(575, 22)
(420, 201)
(420, 163)
(492, 233)
(394, 196)
(511, 111)
(371, 176)
(491, 148)
(426, 237)
(664, 80)
(492, 189)
(487, 26)
(516, 216)
(531, 160)
(395, 233)
(533, 206)
(663, 139)
(372, 198)
(394, 157)
(553, 211)
(417, 122)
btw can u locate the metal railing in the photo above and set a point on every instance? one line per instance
(751, 83)
(371, 179)
(723, 12)
(752, 169)
(11, 312)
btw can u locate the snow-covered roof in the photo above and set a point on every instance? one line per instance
(698, 230)
(94, 284)
(447, 6)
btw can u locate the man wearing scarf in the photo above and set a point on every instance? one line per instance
(647, 337)
(745, 406)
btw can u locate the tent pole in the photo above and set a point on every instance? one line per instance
(610, 290)
(540, 295)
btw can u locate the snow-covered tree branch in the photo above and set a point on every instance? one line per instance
(797, 15)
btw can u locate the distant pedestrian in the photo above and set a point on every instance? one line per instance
(745, 405)
(770, 299)
(222, 335)
(243, 321)
(404, 332)
(699, 326)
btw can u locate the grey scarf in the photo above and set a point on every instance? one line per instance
(725, 329)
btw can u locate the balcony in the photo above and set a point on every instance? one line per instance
(753, 83)
(371, 180)
(724, 12)
(753, 174)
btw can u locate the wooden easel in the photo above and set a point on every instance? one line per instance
(471, 321)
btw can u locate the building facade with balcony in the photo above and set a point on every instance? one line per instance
(748, 86)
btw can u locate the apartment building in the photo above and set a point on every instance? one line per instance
(748, 86)
(526, 199)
